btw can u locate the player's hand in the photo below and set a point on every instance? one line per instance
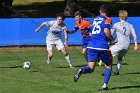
(136, 47)
(90, 34)
(66, 45)
(37, 30)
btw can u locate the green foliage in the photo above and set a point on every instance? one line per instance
(25, 2)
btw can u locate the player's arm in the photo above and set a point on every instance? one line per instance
(43, 24)
(108, 34)
(135, 39)
(73, 31)
(66, 37)
(108, 23)
(113, 30)
(89, 27)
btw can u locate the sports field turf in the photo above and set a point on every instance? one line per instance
(58, 77)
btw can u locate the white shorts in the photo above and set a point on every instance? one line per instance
(52, 43)
(116, 50)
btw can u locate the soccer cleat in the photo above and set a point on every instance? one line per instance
(117, 73)
(48, 61)
(71, 66)
(100, 63)
(78, 74)
(104, 88)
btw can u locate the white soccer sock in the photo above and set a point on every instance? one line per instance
(68, 60)
(118, 66)
(49, 60)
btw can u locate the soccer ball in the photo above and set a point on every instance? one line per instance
(26, 65)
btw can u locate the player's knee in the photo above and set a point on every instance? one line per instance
(108, 65)
(50, 55)
(65, 53)
(84, 53)
(91, 68)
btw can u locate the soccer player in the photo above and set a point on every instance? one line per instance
(123, 30)
(83, 25)
(98, 47)
(54, 37)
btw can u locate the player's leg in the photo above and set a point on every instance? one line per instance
(50, 55)
(120, 58)
(107, 59)
(85, 41)
(50, 48)
(92, 58)
(115, 51)
(84, 52)
(67, 57)
(61, 47)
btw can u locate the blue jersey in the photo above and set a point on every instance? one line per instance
(98, 39)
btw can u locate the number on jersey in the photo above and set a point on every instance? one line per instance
(96, 27)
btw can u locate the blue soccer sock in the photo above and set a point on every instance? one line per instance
(86, 69)
(107, 74)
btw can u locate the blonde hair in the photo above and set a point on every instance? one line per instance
(123, 14)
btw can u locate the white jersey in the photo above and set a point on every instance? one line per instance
(54, 32)
(123, 30)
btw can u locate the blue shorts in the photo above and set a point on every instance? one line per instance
(95, 55)
(85, 41)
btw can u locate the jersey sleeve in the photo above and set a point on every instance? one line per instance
(49, 23)
(113, 29)
(108, 23)
(88, 24)
(76, 27)
(132, 29)
(64, 28)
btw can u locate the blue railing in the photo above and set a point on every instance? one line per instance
(20, 31)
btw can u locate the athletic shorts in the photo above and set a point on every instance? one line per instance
(116, 50)
(85, 41)
(95, 55)
(54, 43)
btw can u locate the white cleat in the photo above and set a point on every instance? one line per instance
(71, 66)
(100, 63)
(104, 88)
(48, 61)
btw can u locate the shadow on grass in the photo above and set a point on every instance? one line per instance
(122, 64)
(75, 66)
(12, 67)
(19, 67)
(133, 73)
(50, 9)
(123, 87)
(78, 66)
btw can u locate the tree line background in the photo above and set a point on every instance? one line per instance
(50, 9)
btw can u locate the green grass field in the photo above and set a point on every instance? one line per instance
(58, 77)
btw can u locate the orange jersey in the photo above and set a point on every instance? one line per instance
(83, 26)
(108, 21)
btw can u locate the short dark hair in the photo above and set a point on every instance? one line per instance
(77, 13)
(104, 8)
(61, 14)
